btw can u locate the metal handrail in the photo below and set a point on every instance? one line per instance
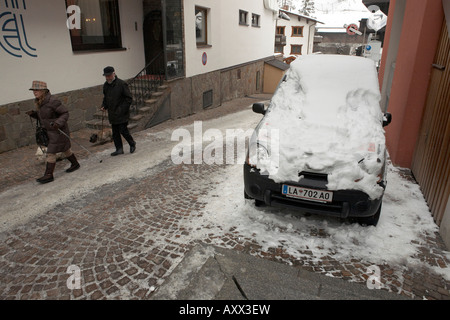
(147, 81)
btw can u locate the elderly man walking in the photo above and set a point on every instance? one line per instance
(117, 100)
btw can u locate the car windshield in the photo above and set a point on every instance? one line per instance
(329, 120)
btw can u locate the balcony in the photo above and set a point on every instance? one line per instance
(280, 40)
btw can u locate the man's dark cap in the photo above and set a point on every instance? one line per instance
(108, 71)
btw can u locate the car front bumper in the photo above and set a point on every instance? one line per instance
(346, 203)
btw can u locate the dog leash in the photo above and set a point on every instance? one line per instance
(103, 116)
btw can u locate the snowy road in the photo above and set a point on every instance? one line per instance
(28, 201)
(127, 222)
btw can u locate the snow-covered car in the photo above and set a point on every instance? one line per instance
(320, 147)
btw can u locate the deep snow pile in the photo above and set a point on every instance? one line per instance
(404, 225)
(328, 119)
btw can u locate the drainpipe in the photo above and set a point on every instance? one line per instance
(309, 38)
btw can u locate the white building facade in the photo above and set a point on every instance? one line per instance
(229, 41)
(297, 34)
(206, 48)
(38, 46)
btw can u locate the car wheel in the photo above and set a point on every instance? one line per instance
(259, 203)
(370, 221)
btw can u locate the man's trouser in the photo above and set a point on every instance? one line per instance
(119, 130)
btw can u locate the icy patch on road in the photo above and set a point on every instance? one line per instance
(404, 225)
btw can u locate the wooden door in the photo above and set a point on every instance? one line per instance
(431, 162)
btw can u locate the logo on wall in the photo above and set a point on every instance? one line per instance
(13, 36)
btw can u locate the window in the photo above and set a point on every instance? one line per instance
(201, 25)
(100, 25)
(243, 17)
(279, 49)
(297, 31)
(280, 30)
(174, 39)
(258, 79)
(207, 98)
(296, 49)
(255, 20)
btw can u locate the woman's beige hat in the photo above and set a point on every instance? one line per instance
(39, 85)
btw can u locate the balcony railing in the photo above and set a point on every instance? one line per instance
(280, 40)
(147, 81)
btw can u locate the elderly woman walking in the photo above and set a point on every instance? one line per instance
(53, 116)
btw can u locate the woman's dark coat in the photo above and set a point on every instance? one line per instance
(50, 111)
(117, 100)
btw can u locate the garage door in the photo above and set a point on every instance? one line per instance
(431, 163)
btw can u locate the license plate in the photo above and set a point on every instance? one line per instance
(307, 194)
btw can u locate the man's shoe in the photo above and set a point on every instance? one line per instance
(133, 147)
(117, 152)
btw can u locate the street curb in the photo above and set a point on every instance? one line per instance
(213, 273)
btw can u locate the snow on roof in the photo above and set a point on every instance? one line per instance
(278, 64)
(301, 15)
(336, 14)
(337, 75)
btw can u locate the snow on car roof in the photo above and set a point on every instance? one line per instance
(329, 120)
(326, 80)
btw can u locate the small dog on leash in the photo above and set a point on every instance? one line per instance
(101, 136)
(41, 154)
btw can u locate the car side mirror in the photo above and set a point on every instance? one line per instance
(259, 108)
(387, 119)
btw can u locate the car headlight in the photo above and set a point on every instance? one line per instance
(257, 153)
(263, 151)
(373, 162)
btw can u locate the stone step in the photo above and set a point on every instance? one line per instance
(156, 94)
(96, 124)
(99, 115)
(100, 118)
(131, 126)
(136, 117)
(151, 101)
(144, 110)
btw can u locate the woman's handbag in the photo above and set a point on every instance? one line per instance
(41, 135)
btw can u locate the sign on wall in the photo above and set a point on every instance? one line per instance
(352, 29)
(13, 35)
(204, 58)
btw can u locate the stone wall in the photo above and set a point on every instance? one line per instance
(226, 84)
(16, 129)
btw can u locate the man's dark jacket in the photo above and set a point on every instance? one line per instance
(117, 100)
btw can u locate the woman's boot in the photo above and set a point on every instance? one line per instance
(74, 163)
(48, 176)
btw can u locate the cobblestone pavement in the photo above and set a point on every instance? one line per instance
(127, 237)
